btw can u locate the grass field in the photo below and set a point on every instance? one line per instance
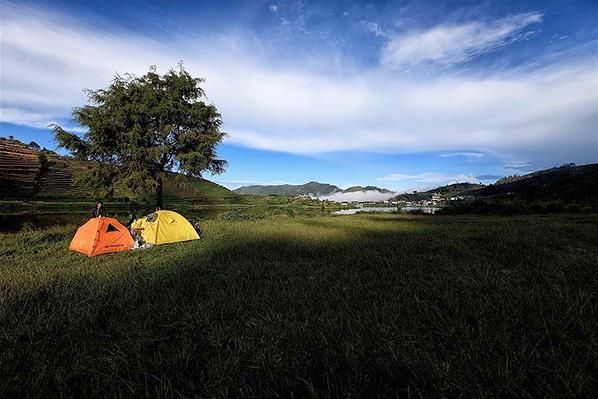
(352, 306)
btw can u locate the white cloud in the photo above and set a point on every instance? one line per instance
(547, 114)
(273, 7)
(522, 166)
(19, 116)
(454, 44)
(429, 177)
(368, 195)
(37, 120)
(463, 154)
(426, 181)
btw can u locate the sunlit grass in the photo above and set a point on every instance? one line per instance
(364, 305)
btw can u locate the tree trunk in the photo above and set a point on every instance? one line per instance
(159, 201)
(110, 194)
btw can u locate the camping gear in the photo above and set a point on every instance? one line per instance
(163, 227)
(138, 241)
(196, 223)
(100, 236)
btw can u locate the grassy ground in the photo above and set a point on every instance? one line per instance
(355, 306)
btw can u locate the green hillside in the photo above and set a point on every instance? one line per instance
(455, 189)
(450, 190)
(566, 183)
(181, 189)
(30, 174)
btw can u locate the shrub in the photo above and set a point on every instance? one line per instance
(234, 214)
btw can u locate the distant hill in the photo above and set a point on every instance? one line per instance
(565, 183)
(450, 190)
(30, 173)
(455, 189)
(312, 188)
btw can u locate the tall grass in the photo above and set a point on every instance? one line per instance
(365, 305)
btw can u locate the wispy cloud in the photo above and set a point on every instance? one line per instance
(523, 166)
(426, 181)
(488, 177)
(463, 154)
(454, 44)
(429, 177)
(369, 195)
(374, 28)
(21, 116)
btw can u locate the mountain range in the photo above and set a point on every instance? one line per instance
(313, 189)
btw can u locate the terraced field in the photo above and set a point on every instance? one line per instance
(27, 174)
(19, 170)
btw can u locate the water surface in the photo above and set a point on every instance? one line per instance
(353, 211)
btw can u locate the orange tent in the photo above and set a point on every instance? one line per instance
(101, 235)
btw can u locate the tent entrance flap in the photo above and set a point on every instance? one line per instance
(111, 228)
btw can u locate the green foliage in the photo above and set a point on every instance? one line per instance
(415, 196)
(357, 306)
(508, 179)
(454, 189)
(234, 214)
(81, 149)
(447, 191)
(141, 127)
(34, 146)
(42, 157)
(99, 179)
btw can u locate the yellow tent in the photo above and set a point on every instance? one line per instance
(163, 227)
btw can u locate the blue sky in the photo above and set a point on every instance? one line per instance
(403, 95)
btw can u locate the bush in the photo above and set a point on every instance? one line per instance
(234, 214)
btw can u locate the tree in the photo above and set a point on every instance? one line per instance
(139, 128)
(33, 145)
